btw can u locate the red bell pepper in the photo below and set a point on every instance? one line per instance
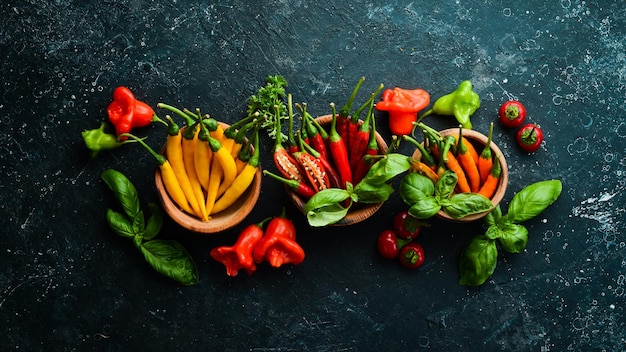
(403, 106)
(126, 113)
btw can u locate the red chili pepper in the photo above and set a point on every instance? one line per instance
(285, 162)
(354, 122)
(278, 246)
(312, 168)
(372, 149)
(403, 106)
(125, 112)
(240, 255)
(333, 178)
(292, 146)
(344, 113)
(512, 113)
(387, 244)
(302, 189)
(412, 255)
(360, 138)
(315, 137)
(338, 152)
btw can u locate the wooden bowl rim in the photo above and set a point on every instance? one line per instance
(357, 214)
(224, 220)
(504, 176)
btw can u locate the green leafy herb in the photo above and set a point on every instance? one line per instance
(325, 208)
(167, 257)
(425, 199)
(479, 259)
(268, 103)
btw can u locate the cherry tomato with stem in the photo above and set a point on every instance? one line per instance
(406, 226)
(412, 255)
(529, 137)
(512, 113)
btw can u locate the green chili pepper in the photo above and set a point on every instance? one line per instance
(98, 140)
(461, 104)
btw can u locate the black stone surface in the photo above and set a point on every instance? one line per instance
(68, 283)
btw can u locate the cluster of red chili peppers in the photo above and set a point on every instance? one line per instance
(276, 244)
(318, 158)
(400, 243)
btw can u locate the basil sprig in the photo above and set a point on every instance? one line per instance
(479, 258)
(426, 198)
(167, 257)
(325, 207)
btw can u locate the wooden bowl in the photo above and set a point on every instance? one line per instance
(358, 212)
(224, 220)
(479, 141)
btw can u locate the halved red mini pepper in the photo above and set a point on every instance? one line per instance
(279, 245)
(125, 112)
(403, 106)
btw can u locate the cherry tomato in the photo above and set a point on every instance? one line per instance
(529, 137)
(512, 113)
(387, 244)
(412, 255)
(406, 226)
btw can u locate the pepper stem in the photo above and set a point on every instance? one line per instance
(159, 158)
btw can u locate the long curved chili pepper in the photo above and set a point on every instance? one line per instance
(360, 138)
(338, 151)
(226, 162)
(292, 145)
(485, 158)
(467, 162)
(284, 161)
(312, 168)
(372, 149)
(190, 138)
(344, 113)
(241, 182)
(489, 187)
(174, 154)
(167, 174)
(333, 177)
(315, 138)
(353, 122)
(203, 156)
(240, 255)
(301, 189)
(243, 156)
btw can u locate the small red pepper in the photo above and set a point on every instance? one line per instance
(278, 246)
(338, 152)
(403, 106)
(406, 226)
(412, 255)
(125, 112)
(239, 256)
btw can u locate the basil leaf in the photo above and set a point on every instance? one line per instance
(120, 223)
(139, 223)
(368, 194)
(445, 185)
(478, 261)
(326, 215)
(494, 216)
(415, 186)
(171, 259)
(387, 168)
(463, 204)
(124, 191)
(325, 198)
(155, 222)
(532, 200)
(514, 238)
(424, 208)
